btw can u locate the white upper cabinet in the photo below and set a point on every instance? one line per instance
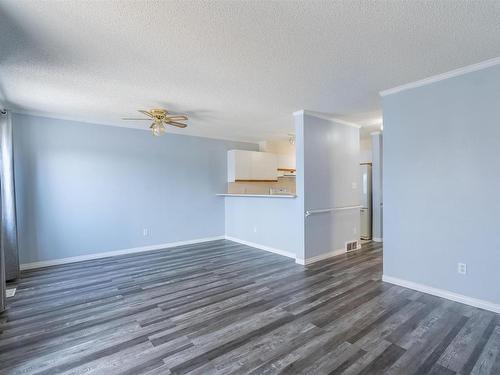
(286, 161)
(251, 166)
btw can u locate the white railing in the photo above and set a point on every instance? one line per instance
(331, 209)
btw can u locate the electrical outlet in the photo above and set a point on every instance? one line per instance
(354, 185)
(146, 232)
(354, 230)
(255, 229)
(462, 268)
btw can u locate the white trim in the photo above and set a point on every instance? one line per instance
(81, 258)
(375, 133)
(262, 247)
(300, 261)
(482, 304)
(377, 239)
(440, 77)
(123, 124)
(331, 209)
(317, 258)
(289, 254)
(258, 195)
(326, 117)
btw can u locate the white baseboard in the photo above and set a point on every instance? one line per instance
(288, 254)
(482, 304)
(80, 258)
(377, 239)
(317, 258)
(262, 247)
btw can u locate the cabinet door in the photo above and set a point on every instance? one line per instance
(286, 161)
(243, 165)
(251, 166)
(264, 166)
(239, 165)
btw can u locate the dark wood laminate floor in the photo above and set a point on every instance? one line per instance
(226, 308)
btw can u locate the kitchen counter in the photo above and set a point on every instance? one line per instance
(259, 195)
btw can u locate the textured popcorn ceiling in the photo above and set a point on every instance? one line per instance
(238, 68)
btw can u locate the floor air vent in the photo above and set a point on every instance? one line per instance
(352, 245)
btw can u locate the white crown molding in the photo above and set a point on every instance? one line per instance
(124, 125)
(325, 117)
(482, 304)
(262, 247)
(81, 258)
(298, 113)
(51, 116)
(440, 77)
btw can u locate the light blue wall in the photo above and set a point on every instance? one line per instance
(84, 188)
(331, 167)
(299, 119)
(377, 191)
(441, 184)
(327, 165)
(271, 222)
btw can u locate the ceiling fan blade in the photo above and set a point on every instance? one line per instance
(145, 112)
(177, 124)
(177, 118)
(134, 119)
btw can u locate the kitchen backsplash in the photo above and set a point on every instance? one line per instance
(284, 185)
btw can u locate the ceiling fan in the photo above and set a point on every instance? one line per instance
(160, 117)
